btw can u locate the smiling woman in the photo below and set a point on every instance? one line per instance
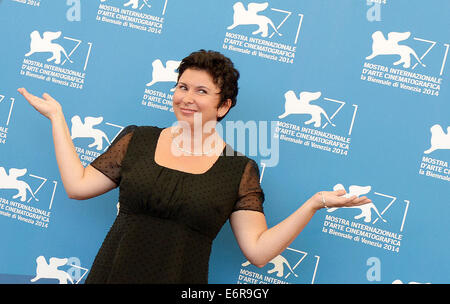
(173, 205)
(195, 104)
(195, 92)
(221, 73)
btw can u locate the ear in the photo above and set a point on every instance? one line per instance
(224, 108)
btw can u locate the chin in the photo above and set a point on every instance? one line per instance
(183, 119)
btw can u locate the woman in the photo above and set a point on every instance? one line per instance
(178, 185)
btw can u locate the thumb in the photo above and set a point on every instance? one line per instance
(47, 97)
(340, 192)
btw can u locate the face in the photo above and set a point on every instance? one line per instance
(196, 94)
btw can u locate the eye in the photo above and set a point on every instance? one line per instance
(182, 87)
(201, 91)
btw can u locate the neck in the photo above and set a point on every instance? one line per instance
(198, 140)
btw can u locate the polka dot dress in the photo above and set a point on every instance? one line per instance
(168, 218)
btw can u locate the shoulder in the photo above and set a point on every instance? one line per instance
(143, 129)
(133, 131)
(146, 128)
(229, 151)
(239, 159)
(249, 165)
(151, 127)
(127, 131)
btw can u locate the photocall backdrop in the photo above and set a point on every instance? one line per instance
(343, 94)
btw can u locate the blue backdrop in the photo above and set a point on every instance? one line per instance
(349, 94)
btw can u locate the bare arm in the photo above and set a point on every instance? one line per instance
(79, 182)
(260, 244)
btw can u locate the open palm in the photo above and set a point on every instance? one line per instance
(337, 199)
(46, 105)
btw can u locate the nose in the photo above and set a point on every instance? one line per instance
(188, 97)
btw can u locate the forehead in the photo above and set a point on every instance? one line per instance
(197, 77)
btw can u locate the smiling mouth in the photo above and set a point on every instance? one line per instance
(187, 111)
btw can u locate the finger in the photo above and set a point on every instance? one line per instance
(28, 96)
(340, 201)
(339, 192)
(361, 201)
(352, 198)
(24, 92)
(350, 201)
(47, 97)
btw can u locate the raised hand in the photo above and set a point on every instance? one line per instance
(79, 182)
(337, 199)
(46, 105)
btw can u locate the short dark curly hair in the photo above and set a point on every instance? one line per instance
(221, 69)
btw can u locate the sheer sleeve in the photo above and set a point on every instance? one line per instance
(251, 195)
(110, 162)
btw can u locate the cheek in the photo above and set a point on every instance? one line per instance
(176, 99)
(205, 107)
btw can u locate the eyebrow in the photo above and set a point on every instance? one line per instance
(197, 87)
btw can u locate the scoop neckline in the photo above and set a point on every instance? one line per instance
(184, 172)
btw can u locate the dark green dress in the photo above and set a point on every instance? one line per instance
(167, 218)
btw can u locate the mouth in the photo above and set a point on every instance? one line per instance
(187, 111)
